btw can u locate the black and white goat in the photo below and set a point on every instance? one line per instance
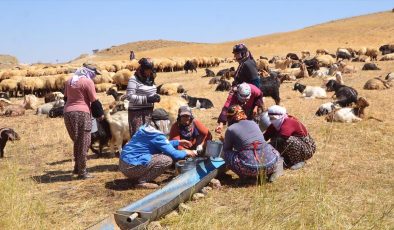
(6, 134)
(345, 95)
(197, 102)
(310, 91)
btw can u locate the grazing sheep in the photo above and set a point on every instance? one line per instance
(372, 53)
(102, 136)
(292, 56)
(269, 86)
(103, 87)
(310, 91)
(4, 95)
(344, 54)
(387, 49)
(325, 60)
(7, 134)
(192, 102)
(209, 73)
(53, 96)
(56, 112)
(171, 104)
(321, 52)
(387, 57)
(121, 78)
(223, 85)
(10, 86)
(113, 92)
(223, 71)
(13, 110)
(170, 89)
(214, 80)
(326, 108)
(376, 83)
(30, 102)
(190, 66)
(349, 115)
(370, 66)
(45, 108)
(283, 64)
(361, 58)
(345, 95)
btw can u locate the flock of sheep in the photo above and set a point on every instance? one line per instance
(48, 81)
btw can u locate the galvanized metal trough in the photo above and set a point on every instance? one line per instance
(138, 214)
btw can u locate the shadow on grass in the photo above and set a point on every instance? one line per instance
(62, 176)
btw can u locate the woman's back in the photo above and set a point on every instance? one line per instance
(242, 134)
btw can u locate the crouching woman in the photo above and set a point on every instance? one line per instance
(245, 151)
(148, 154)
(290, 137)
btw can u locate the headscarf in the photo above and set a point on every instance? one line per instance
(279, 113)
(235, 113)
(189, 131)
(243, 92)
(82, 72)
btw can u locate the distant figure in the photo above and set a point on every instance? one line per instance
(132, 55)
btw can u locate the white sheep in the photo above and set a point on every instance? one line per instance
(326, 108)
(119, 126)
(45, 108)
(170, 89)
(348, 115)
(310, 91)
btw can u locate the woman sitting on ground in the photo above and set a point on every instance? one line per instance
(189, 128)
(148, 154)
(290, 137)
(245, 151)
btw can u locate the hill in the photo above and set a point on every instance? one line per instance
(370, 30)
(7, 61)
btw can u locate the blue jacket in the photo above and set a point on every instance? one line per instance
(147, 141)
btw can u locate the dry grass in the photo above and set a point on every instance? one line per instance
(348, 184)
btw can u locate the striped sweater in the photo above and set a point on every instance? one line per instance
(137, 93)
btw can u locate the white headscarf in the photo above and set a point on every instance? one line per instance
(279, 113)
(80, 73)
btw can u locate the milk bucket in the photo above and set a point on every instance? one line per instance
(214, 148)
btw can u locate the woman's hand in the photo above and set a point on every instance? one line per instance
(219, 128)
(190, 153)
(185, 143)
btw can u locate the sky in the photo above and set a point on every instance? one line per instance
(61, 30)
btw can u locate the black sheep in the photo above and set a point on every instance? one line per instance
(6, 134)
(114, 93)
(102, 135)
(223, 85)
(56, 112)
(224, 71)
(345, 95)
(343, 55)
(269, 86)
(311, 65)
(370, 66)
(189, 65)
(4, 95)
(292, 56)
(209, 73)
(197, 102)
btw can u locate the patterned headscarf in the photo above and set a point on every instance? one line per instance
(80, 73)
(235, 113)
(277, 115)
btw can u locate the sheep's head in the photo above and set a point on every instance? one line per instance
(111, 91)
(331, 85)
(10, 134)
(362, 102)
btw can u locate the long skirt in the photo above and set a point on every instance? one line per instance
(295, 149)
(244, 163)
(146, 173)
(79, 125)
(138, 118)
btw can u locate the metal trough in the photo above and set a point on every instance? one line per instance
(138, 214)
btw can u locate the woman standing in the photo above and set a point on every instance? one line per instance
(290, 137)
(141, 93)
(81, 100)
(247, 70)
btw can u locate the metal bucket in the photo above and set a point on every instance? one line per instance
(214, 148)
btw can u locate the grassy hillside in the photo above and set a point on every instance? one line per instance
(370, 30)
(7, 61)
